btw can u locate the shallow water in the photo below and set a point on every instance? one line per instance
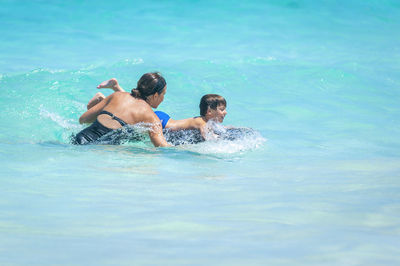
(318, 183)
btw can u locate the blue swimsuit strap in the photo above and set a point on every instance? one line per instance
(122, 122)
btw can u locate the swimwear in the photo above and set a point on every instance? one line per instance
(122, 122)
(96, 130)
(163, 118)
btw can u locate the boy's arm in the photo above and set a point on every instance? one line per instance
(188, 123)
(191, 123)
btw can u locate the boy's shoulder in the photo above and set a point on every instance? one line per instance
(198, 122)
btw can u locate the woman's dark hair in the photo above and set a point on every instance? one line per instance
(212, 101)
(149, 84)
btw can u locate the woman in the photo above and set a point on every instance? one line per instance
(123, 108)
(185, 131)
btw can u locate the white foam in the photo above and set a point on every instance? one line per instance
(226, 146)
(227, 140)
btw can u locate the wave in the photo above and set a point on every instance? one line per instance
(43, 105)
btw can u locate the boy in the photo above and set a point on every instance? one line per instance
(212, 107)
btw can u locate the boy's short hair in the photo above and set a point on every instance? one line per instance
(212, 101)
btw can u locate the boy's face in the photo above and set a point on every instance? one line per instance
(218, 114)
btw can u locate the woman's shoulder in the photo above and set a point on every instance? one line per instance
(126, 98)
(122, 94)
(117, 96)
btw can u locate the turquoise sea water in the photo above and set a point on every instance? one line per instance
(319, 184)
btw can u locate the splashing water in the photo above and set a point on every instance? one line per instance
(218, 140)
